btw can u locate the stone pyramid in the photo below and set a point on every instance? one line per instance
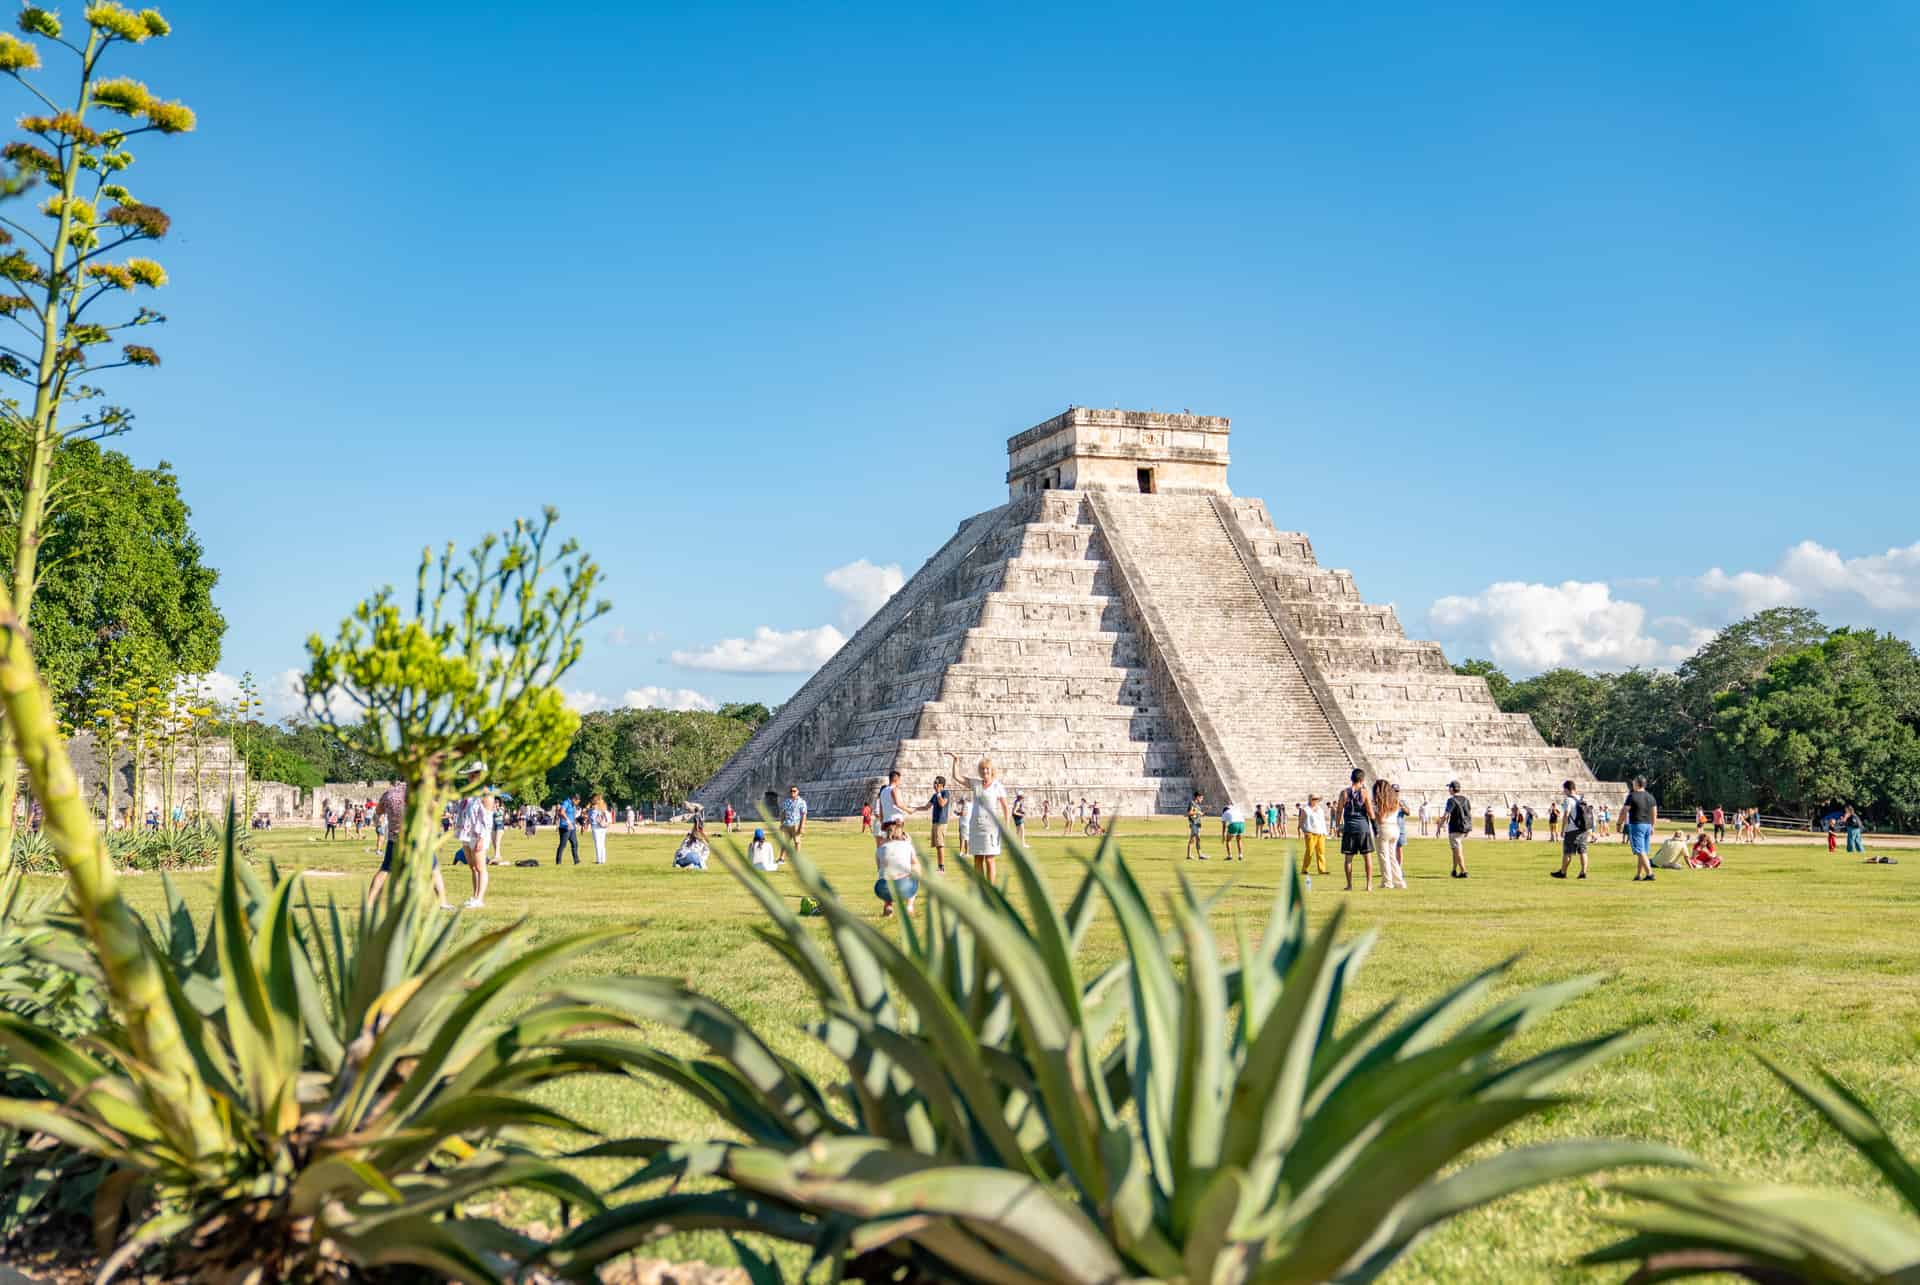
(1126, 630)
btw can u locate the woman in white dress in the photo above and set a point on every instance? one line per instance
(983, 830)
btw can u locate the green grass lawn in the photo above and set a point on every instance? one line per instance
(1806, 957)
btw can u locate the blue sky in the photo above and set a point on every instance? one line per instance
(1573, 331)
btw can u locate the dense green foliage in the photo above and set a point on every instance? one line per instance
(650, 755)
(124, 594)
(1773, 710)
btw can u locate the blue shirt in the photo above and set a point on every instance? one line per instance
(940, 804)
(567, 814)
(792, 812)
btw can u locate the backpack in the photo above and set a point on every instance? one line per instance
(1582, 816)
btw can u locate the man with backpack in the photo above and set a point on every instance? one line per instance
(1578, 832)
(1458, 816)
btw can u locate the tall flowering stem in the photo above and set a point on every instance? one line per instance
(66, 271)
(469, 674)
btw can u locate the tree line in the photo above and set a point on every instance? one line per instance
(1776, 710)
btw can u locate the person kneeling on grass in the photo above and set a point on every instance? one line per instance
(761, 854)
(894, 860)
(693, 851)
(1706, 853)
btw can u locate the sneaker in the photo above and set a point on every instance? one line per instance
(473, 903)
(1583, 874)
(1557, 874)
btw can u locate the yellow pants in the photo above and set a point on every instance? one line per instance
(1314, 860)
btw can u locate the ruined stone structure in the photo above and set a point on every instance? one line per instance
(1126, 630)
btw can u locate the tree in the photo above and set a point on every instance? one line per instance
(1565, 704)
(130, 595)
(646, 755)
(59, 280)
(752, 713)
(1838, 722)
(1497, 681)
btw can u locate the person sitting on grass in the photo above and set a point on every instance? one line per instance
(897, 866)
(1706, 853)
(1674, 853)
(761, 854)
(693, 851)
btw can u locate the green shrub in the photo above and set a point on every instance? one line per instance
(367, 1084)
(1007, 1117)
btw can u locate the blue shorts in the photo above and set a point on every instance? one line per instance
(386, 862)
(1640, 837)
(909, 888)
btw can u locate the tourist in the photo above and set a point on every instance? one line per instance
(1606, 822)
(393, 817)
(893, 804)
(729, 817)
(961, 807)
(1046, 814)
(762, 855)
(1356, 827)
(866, 816)
(793, 817)
(1719, 823)
(1642, 814)
(1673, 854)
(1528, 809)
(1856, 831)
(529, 815)
(565, 816)
(1020, 819)
(1313, 837)
(1490, 831)
(694, 851)
(598, 818)
(1553, 822)
(989, 796)
(939, 804)
(1388, 813)
(1833, 835)
(1513, 824)
(1578, 831)
(1458, 818)
(474, 829)
(896, 866)
(1234, 827)
(1706, 853)
(1093, 820)
(1195, 814)
(1280, 820)
(499, 833)
(328, 819)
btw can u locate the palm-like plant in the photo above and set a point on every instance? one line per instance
(1012, 1119)
(1780, 1235)
(366, 1085)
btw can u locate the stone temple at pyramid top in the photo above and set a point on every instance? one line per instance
(1127, 631)
(1082, 449)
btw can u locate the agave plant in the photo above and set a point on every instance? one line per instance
(47, 1188)
(1011, 1118)
(367, 1085)
(1778, 1235)
(33, 853)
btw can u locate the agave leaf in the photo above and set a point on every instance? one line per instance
(432, 1193)
(411, 1140)
(1216, 1224)
(1328, 1231)
(1494, 1178)
(248, 1010)
(471, 1251)
(1854, 1120)
(760, 1269)
(1200, 1090)
(30, 1116)
(916, 1104)
(962, 1254)
(663, 1000)
(56, 1060)
(576, 1256)
(799, 946)
(1820, 1236)
(1152, 1035)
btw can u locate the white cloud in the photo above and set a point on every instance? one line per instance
(1810, 573)
(863, 588)
(617, 636)
(769, 651)
(285, 696)
(651, 697)
(1540, 626)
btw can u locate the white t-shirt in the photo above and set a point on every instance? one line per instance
(1232, 814)
(894, 859)
(890, 808)
(983, 835)
(763, 855)
(1315, 821)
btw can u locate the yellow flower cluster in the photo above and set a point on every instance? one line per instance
(17, 55)
(118, 20)
(39, 22)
